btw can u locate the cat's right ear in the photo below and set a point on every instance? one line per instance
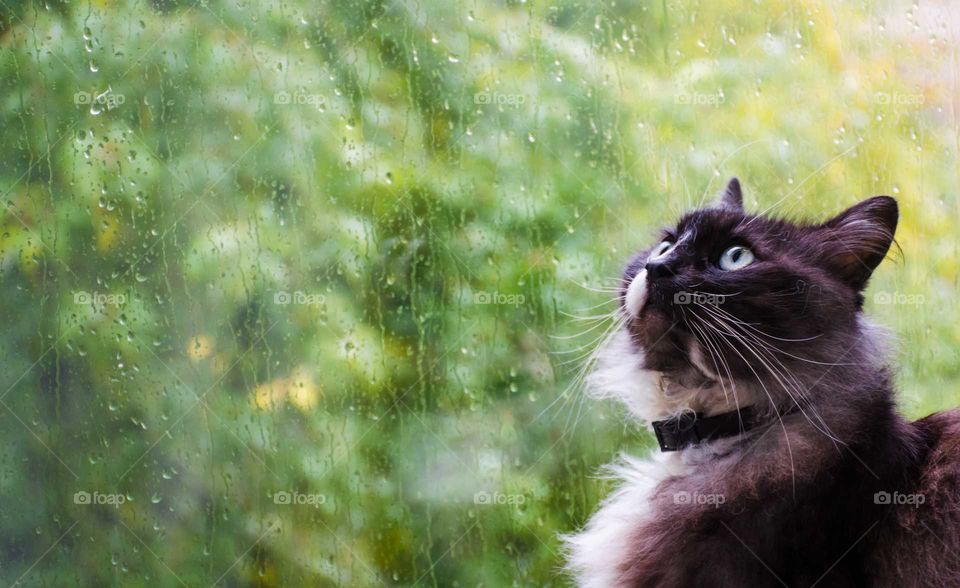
(854, 242)
(732, 197)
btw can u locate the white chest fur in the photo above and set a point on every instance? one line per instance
(597, 552)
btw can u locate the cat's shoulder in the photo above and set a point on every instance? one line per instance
(943, 424)
(916, 536)
(942, 464)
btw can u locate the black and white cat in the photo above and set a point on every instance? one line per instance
(783, 461)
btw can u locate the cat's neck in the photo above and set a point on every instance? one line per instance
(834, 407)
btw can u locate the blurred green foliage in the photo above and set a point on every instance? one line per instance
(286, 285)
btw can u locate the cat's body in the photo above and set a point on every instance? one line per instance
(831, 487)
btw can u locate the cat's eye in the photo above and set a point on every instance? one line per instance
(735, 258)
(661, 249)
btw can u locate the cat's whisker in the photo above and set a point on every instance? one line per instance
(693, 327)
(797, 187)
(576, 384)
(752, 326)
(720, 315)
(763, 346)
(577, 359)
(587, 318)
(773, 405)
(587, 345)
(577, 335)
(604, 290)
(707, 329)
(783, 378)
(576, 421)
(596, 306)
(580, 358)
(723, 162)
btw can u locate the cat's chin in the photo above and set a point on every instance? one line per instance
(651, 388)
(651, 329)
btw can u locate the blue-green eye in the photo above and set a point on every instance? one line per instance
(735, 258)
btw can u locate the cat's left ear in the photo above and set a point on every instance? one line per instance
(732, 196)
(854, 242)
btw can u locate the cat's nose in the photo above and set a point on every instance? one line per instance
(660, 269)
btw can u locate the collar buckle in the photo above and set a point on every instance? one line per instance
(689, 428)
(677, 432)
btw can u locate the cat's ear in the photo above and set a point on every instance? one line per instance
(854, 242)
(732, 196)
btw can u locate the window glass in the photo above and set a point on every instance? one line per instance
(300, 293)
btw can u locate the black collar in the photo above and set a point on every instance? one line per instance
(689, 428)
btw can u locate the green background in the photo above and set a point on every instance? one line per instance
(332, 249)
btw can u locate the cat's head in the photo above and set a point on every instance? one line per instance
(727, 303)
